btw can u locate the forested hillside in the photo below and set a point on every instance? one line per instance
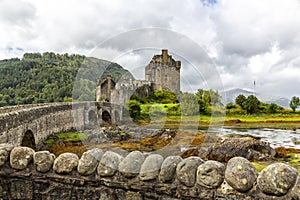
(50, 77)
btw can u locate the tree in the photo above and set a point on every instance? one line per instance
(294, 103)
(251, 104)
(134, 108)
(273, 108)
(240, 100)
(189, 104)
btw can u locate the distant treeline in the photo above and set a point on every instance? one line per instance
(50, 77)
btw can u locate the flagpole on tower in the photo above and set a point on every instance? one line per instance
(254, 87)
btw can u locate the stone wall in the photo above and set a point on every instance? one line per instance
(26, 174)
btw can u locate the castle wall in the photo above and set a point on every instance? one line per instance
(104, 89)
(126, 88)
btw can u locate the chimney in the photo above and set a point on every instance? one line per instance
(165, 55)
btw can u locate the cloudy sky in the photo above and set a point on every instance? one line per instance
(223, 43)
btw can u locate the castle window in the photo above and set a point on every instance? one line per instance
(166, 77)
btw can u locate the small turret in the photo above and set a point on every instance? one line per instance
(165, 55)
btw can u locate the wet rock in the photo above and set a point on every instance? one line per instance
(249, 148)
(89, 161)
(277, 179)
(131, 165)
(108, 165)
(43, 160)
(168, 168)
(20, 157)
(151, 167)
(65, 163)
(240, 174)
(210, 174)
(186, 170)
(3, 156)
(296, 189)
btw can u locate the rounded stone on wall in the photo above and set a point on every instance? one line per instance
(186, 170)
(20, 157)
(89, 161)
(108, 164)
(43, 160)
(3, 156)
(7, 147)
(131, 165)
(65, 163)
(210, 174)
(168, 168)
(277, 179)
(240, 174)
(151, 167)
(296, 189)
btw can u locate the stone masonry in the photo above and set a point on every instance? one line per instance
(162, 73)
(29, 174)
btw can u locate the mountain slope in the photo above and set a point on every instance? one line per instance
(50, 77)
(230, 95)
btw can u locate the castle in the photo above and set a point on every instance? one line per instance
(162, 73)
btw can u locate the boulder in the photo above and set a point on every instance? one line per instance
(89, 161)
(296, 189)
(7, 147)
(131, 165)
(108, 164)
(277, 179)
(20, 157)
(43, 160)
(247, 147)
(210, 174)
(168, 168)
(3, 156)
(65, 163)
(151, 167)
(240, 174)
(186, 170)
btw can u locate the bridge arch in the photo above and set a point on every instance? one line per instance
(29, 140)
(106, 116)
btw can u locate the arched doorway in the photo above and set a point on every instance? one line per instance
(106, 117)
(28, 140)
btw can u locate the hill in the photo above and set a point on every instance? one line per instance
(230, 95)
(50, 77)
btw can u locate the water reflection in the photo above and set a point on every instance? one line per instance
(276, 137)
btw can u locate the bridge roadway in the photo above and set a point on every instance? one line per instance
(38, 121)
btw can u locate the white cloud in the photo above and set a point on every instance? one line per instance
(246, 40)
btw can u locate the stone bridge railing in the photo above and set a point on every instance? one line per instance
(42, 120)
(26, 174)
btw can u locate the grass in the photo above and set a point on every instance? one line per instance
(292, 159)
(67, 137)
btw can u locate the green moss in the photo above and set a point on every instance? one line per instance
(260, 166)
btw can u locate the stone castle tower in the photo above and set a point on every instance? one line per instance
(164, 72)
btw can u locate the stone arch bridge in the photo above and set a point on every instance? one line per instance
(38, 121)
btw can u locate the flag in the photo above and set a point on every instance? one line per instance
(254, 83)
